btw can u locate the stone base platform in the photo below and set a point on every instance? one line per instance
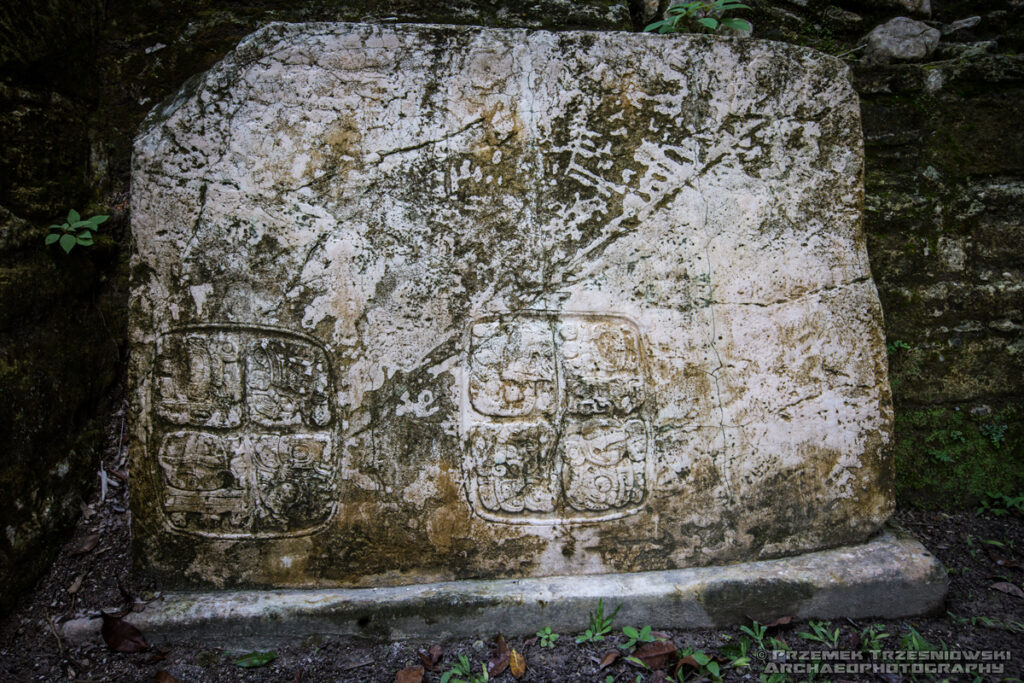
(891, 576)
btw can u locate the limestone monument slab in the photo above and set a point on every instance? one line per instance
(425, 303)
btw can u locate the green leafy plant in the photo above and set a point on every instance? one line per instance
(701, 16)
(988, 622)
(821, 633)
(996, 433)
(256, 659)
(634, 636)
(547, 637)
(738, 652)
(756, 632)
(871, 638)
(896, 346)
(915, 642)
(708, 667)
(74, 231)
(599, 625)
(1001, 504)
(462, 672)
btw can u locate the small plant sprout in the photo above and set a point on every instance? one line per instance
(74, 231)
(599, 625)
(462, 672)
(757, 632)
(871, 638)
(547, 637)
(634, 636)
(821, 633)
(700, 15)
(915, 642)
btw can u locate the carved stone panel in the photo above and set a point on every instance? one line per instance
(415, 303)
(537, 453)
(270, 469)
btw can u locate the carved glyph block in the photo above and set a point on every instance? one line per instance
(413, 303)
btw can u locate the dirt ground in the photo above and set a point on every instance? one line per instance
(983, 554)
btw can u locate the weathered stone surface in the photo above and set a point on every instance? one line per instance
(891, 576)
(901, 39)
(417, 303)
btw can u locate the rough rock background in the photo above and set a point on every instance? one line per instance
(943, 214)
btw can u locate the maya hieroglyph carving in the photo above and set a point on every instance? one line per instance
(420, 302)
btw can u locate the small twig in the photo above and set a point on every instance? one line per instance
(848, 52)
(357, 665)
(60, 642)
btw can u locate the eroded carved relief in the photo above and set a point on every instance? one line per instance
(270, 469)
(554, 416)
(513, 369)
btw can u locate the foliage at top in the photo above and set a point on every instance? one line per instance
(74, 231)
(700, 16)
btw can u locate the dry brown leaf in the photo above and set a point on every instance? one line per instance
(164, 677)
(121, 636)
(499, 662)
(76, 585)
(781, 621)
(1008, 588)
(411, 674)
(84, 544)
(158, 656)
(655, 654)
(608, 658)
(431, 658)
(516, 664)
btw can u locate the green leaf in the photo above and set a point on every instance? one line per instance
(701, 658)
(446, 676)
(51, 238)
(85, 240)
(73, 216)
(709, 22)
(255, 659)
(59, 227)
(631, 632)
(738, 24)
(96, 220)
(67, 242)
(637, 661)
(713, 668)
(740, 661)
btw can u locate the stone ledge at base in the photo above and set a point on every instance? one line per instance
(890, 576)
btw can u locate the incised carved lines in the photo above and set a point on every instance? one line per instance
(241, 430)
(554, 420)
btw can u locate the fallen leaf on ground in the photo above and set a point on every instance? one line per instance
(121, 636)
(410, 674)
(516, 664)
(781, 621)
(76, 585)
(1008, 588)
(660, 635)
(158, 656)
(84, 544)
(655, 654)
(608, 658)
(164, 677)
(431, 658)
(255, 659)
(499, 662)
